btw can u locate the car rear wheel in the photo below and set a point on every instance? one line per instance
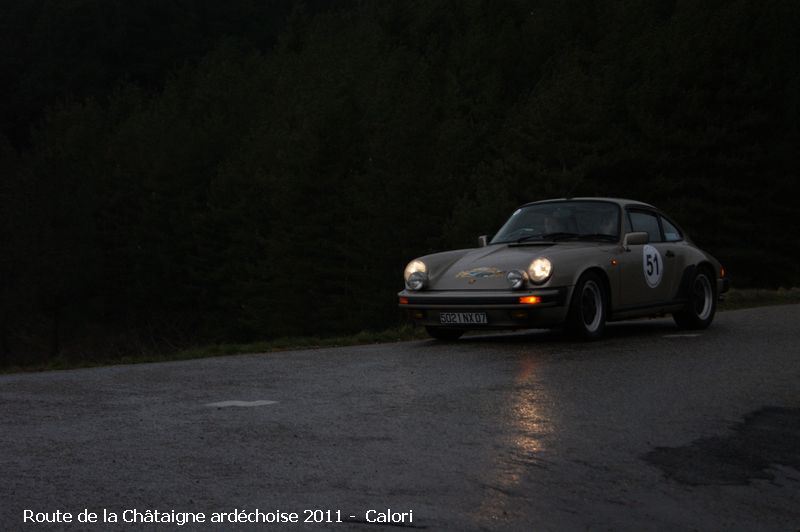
(589, 308)
(444, 334)
(702, 305)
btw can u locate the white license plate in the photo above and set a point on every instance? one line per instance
(463, 318)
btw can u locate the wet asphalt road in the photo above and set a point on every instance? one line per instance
(523, 432)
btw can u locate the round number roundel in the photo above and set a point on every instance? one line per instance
(653, 266)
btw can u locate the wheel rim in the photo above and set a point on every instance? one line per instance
(591, 306)
(702, 297)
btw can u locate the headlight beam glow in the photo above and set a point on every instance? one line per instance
(540, 270)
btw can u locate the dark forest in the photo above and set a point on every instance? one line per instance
(177, 173)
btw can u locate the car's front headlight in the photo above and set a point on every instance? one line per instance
(416, 275)
(540, 270)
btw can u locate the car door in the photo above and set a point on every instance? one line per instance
(675, 252)
(649, 270)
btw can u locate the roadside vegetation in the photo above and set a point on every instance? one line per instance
(753, 297)
(181, 173)
(395, 334)
(733, 300)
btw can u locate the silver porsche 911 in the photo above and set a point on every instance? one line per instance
(575, 262)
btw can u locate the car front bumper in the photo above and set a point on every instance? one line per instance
(503, 309)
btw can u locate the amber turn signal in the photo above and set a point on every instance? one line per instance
(530, 300)
(404, 301)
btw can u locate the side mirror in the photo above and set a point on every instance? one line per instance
(635, 239)
(483, 241)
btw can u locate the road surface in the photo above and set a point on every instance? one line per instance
(652, 428)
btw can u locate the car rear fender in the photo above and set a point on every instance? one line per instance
(688, 275)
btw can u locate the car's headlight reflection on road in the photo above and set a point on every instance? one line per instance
(523, 425)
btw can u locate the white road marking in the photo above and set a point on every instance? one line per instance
(680, 335)
(223, 404)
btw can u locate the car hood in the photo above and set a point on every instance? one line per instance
(484, 268)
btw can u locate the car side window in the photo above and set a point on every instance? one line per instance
(647, 222)
(627, 219)
(671, 233)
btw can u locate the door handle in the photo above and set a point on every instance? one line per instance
(670, 254)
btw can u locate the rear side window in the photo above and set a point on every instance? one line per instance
(671, 233)
(647, 222)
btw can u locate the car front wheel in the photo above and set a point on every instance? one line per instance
(444, 334)
(702, 305)
(589, 307)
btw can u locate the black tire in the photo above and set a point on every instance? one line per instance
(588, 309)
(444, 334)
(702, 305)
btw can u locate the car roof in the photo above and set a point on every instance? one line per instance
(619, 201)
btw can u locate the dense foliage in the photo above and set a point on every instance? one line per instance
(190, 172)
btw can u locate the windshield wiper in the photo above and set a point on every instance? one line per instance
(548, 236)
(597, 236)
(553, 237)
(527, 238)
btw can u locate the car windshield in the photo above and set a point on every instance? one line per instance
(561, 220)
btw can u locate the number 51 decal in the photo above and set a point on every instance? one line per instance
(653, 266)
